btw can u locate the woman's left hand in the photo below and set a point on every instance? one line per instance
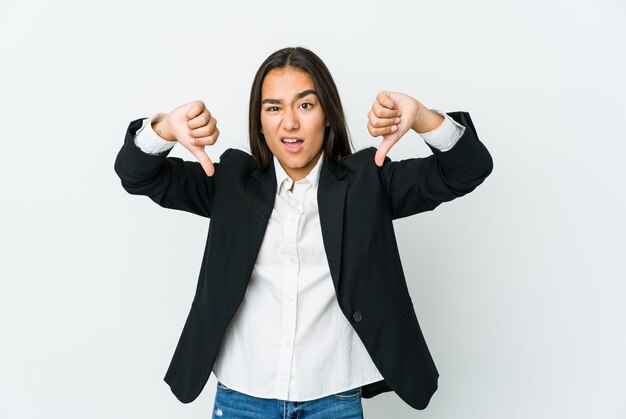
(391, 116)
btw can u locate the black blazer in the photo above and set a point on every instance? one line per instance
(357, 203)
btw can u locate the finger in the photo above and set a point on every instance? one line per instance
(207, 140)
(386, 100)
(201, 120)
(382, 112)
(377, 122)
(205, 130)
(383, 149)
(377, 132)
(196, 108)
(204, 160)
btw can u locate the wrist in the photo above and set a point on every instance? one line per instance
(426, 120)
(161, 127)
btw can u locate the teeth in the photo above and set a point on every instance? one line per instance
(290, 140)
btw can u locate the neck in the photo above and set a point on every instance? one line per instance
(301, 172)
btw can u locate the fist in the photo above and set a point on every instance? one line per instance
(193, 126)
(391, 116)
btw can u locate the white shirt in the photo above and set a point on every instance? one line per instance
(289, 340)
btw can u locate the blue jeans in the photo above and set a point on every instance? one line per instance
(231, 404)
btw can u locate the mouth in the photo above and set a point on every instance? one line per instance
(292, 144)
(289, 140)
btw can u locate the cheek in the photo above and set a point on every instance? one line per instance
(321, 131)
(266, 130)
(266, 122)
(321, 125)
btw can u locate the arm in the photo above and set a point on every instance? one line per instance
(171, 182)
(421, 184)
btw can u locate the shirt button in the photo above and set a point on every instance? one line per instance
(291, 259)
(357, 316)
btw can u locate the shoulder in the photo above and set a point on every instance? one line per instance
(234, 155)
(360, 160)
(237, 160)
(361, 164)
(234, 167)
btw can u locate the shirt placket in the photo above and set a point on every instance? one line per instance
(289, 301)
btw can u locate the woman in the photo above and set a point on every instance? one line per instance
(301, 305)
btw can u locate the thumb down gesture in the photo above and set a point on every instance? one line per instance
(391, 116)
(193, 126)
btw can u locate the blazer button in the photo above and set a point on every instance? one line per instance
(357, 316)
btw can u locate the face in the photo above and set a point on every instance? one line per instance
(292, 120)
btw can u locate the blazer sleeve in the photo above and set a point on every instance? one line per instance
(421, 184)
(171, 182)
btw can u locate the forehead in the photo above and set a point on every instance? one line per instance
(284, 83)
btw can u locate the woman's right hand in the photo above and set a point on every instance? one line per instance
(192, 126)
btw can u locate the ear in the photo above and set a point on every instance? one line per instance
(327, 123)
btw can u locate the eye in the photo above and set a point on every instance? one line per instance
(306, 105)
(272, 108)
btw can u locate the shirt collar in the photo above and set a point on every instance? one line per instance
(283, 179)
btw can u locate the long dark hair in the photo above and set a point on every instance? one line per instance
(337, 143)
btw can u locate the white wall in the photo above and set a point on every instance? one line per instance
(519, 286)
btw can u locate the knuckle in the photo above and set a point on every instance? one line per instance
(198, 103)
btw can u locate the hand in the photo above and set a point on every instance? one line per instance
(391, 116)
(192, 126)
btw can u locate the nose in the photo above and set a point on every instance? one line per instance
(290, 120)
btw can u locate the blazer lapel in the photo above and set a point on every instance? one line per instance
(260, 202)
(331, 194)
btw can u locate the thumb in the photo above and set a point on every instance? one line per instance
(204, 160)
(383, 149)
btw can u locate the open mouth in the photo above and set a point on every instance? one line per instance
(292, 145)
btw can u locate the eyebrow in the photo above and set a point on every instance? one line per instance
(298, 96)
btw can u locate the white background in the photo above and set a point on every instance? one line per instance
(519, 286)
